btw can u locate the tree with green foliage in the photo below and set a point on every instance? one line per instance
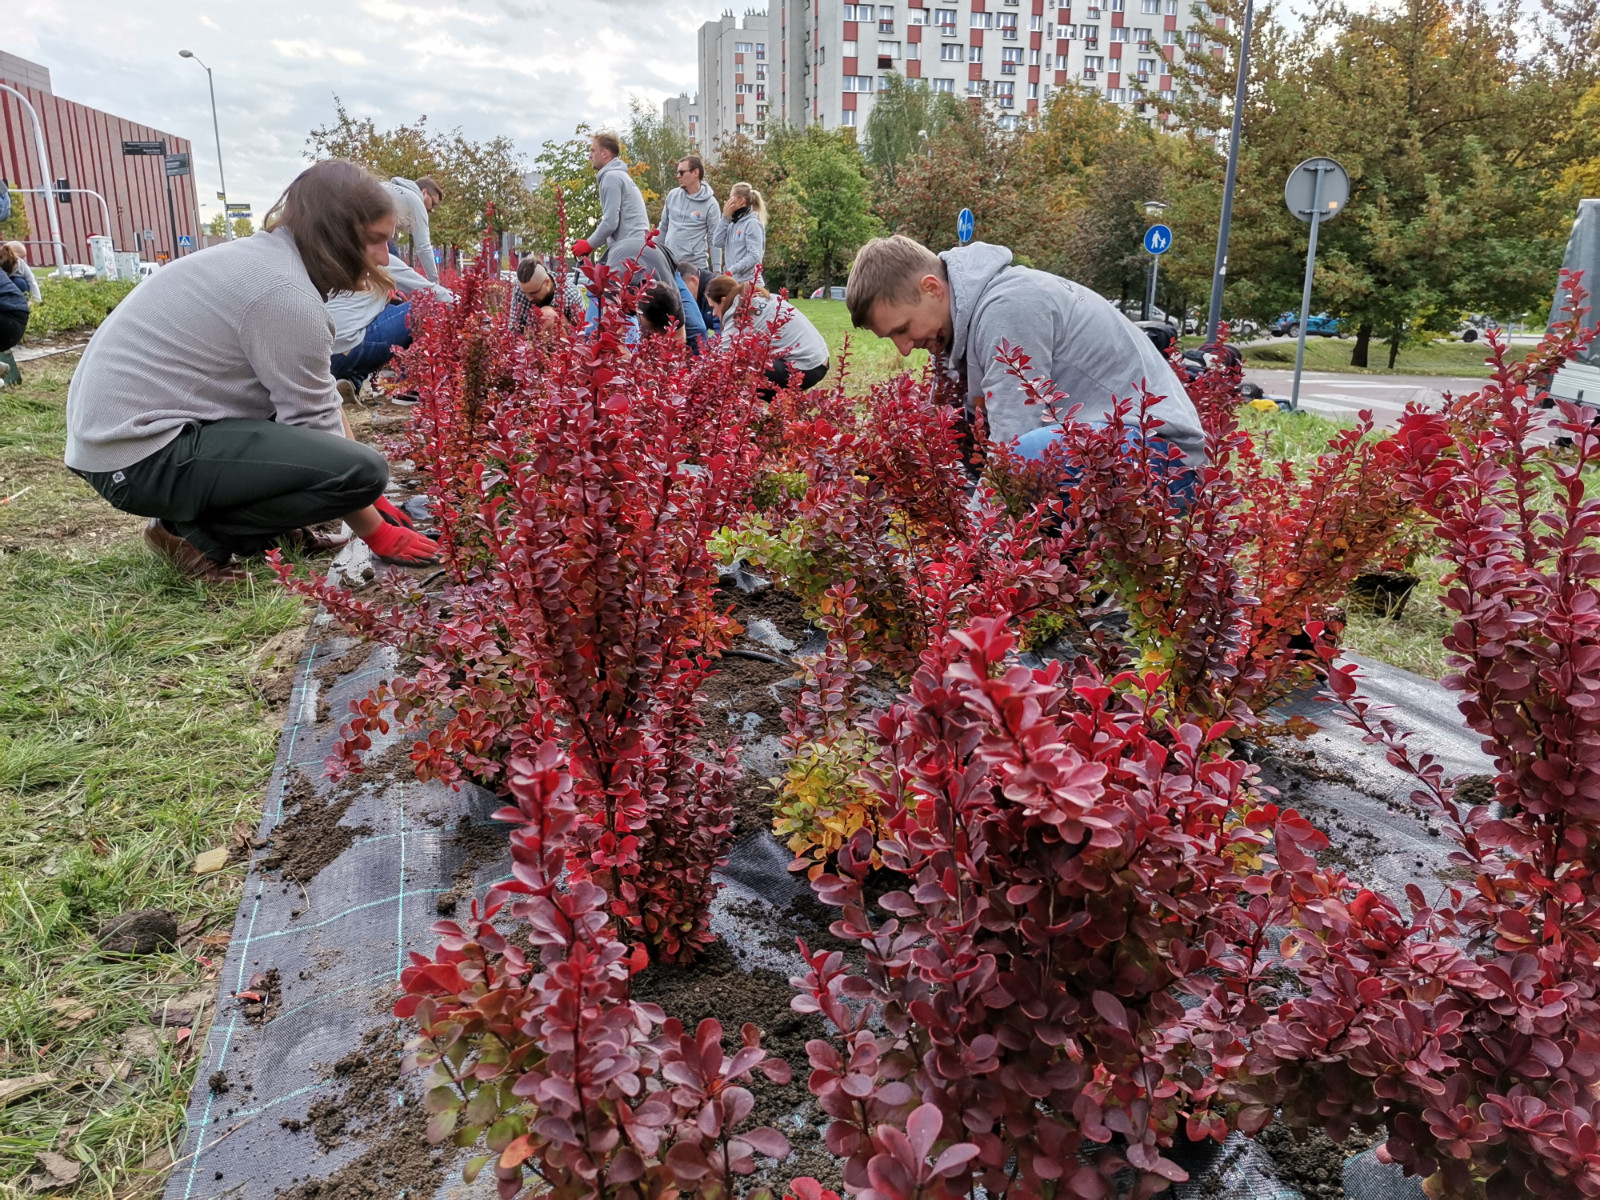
(906, 115)
(567, 189)
(15, 228)
(217, 227)
(826, 179)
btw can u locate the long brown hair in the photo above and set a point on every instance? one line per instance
(723, 286)
(328, 208)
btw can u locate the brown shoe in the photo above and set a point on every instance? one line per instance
(187, 559)
(312, 541)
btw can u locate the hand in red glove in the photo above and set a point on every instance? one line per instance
(581, 248)
(391, 514)
(401, 547)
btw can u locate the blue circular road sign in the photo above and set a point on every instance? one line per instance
(1158, 239)
(964, 225)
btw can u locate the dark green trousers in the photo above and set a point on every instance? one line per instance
(233, 487)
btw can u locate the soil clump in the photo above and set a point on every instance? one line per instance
(142, 932)
(267, 987)
(1314, 1167)
(311, 837)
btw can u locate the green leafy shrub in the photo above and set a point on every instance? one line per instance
(70, 305)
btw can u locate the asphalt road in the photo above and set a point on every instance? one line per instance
(1342, 396)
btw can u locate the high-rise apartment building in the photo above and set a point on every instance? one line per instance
(736, 74)
(827, 60)
(683, 114)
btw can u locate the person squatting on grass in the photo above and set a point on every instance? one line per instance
(961, 304)
(414, 202)
(368, 328)
(742, 234)
(205, 402)
(14, 308)
(797, 346)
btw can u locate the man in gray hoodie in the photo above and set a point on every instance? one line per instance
(960, 305)
(414, 202)
(690, 215)
(624, 223)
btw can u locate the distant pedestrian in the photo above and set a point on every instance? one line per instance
(689, 215)
(205, 402)
(624, 222)
(414, 202)
(743, 232)
(368, 329)
(798, 349)
(30, 284)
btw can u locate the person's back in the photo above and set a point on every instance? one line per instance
(795, 339)
(624, 221)
(203, 327)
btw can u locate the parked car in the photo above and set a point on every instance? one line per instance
(1320, 324)
(147, 269)
(836, 293)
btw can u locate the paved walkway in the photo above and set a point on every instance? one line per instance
(1342, 396)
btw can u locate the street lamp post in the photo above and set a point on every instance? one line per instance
(48, 180)
(1219, 269)
(227, 221)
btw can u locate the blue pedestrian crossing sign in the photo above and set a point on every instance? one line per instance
(185, 241)
(1158, 239)
(964, 226)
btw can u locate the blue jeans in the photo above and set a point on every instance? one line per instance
(387, 333)
(1180, 479)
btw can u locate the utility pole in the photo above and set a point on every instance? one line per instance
(48, 179)
(227, 221)
(1219, 269)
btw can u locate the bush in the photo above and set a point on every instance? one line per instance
(74, 305)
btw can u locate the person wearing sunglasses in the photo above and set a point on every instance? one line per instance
(690, 215)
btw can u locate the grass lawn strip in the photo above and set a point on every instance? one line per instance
(131, 739)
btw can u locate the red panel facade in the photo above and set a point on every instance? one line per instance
(84, 146)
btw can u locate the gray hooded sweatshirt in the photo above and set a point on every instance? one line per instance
(688, 222)
(624, 223)
(1075, 338)
(411, 216)
(745, 241)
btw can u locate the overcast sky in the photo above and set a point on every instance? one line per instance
(531, 69)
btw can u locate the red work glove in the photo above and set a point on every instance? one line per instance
(391, 514)
(581, 248)
(401, 547)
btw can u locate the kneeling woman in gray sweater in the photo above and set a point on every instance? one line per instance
(799, 351)
(205, 403)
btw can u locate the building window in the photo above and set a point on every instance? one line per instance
(1092, 42)
(1092, 63)
(950, 53)
(943, 85)
(761, 70)
(1009, 61)
(883, 83)
(847, 118)
(848, 49)
(1049, 61)
(1166, 93)
(860, 12)
(1033, 58)
(913, 51)
(1092, 12)
(1118, 5)
(1169, 37)
(1005, 93)
(1120, 35)
(1150, 6)
(1036, 23)
(886, 24)
(975, 54)
(947, 21)
(1050, 31)
(977, 87)
(888, 49)
(1033, 91)
(859, 83)
(741, 47)
(1007, 24)
(1195, 38)
(1008, 123)
(982, 20)
(761, 51)
(917, 16)
(1143, 37)
(1171, 8)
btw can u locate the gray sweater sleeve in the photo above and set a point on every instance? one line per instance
(610, 210)
(288, 340)
(33, 284)
(413, 219)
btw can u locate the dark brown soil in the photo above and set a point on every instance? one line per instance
(742, 685)
(1472, 790)
(143, 932)
(341, 665)
(269, 986)
(397, 1160)
(784, 609)
(483, 844)
(218, 1082)
(752, 805)
(1314, 1167)
(311, 837)
(715, 985)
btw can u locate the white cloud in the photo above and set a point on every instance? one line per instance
(529, 69)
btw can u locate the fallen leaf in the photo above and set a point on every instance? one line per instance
(215, 939)
(243, 832)
(211, 860)
(59, 1171)
(99, 847)
(12, 1089)
(70, 1012)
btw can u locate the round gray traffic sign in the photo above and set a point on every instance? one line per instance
(1301, 192)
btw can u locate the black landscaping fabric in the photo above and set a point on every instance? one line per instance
(299, 1093)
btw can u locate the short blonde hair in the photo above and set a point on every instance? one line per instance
(890, 269)
(609, 142)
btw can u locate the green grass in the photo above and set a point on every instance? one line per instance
(1333, 354)
(70, 305)
(131, 739)
(871, 359)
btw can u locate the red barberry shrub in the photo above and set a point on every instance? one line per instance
(569, 1083)
(574, 523)
(1071, 855)
(1469, 1023)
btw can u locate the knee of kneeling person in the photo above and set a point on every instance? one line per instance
(368, 476)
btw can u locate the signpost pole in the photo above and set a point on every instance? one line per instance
(172, 206)
(1150, 300)
(1305, 291)
(1219, 269)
